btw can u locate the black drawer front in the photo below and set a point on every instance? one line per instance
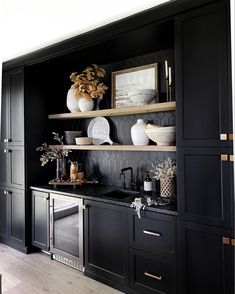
(154, 233)
(151, 274)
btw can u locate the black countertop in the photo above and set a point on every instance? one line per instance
(97, 192)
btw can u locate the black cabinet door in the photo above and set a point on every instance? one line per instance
(151, 273)
(153, 232)
(40, 220)
(206, 263)
(202, 90)
(106, 242)
(12, 162)
(4, 108)
(204, 186)
(16, 216)
(12, 122)
(3, 213)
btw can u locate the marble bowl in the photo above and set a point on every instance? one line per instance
(163, 136)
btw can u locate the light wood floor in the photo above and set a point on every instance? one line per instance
(36, 273)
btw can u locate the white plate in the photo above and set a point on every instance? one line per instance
(98, 130)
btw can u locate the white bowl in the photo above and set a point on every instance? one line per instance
(140, 97)
(163, 136)
(83, 141)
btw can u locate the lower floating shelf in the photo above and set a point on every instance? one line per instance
(151, 148)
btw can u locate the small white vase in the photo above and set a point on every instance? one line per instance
(72, 101)
(138, 135)
(85, 104)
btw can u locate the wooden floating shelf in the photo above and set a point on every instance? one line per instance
(151, 148)
(148, 108)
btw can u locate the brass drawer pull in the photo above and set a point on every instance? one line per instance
(230, 137)
(231, 158)
(233, 242)
(6, 192)
(224, 157)
(152, 233)
(159, 278)
(226, 240)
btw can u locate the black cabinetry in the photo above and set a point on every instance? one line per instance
(204, 114)
(207, 264)
(152, 241)
(12, 119)
(40, 220)
(204, 185)
(106, 243)
(12, 228)
(204, 153)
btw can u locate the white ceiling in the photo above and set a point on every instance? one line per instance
(27, 25)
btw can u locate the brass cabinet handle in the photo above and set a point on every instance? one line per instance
(231, 158)
(230, 137)
(224, 157)
(152, 233)
(226, 240)
(233, 242)
(155, 277)
(6, 192)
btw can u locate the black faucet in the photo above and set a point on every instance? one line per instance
(133, 184)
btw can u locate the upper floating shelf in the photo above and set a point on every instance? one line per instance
(157, 107)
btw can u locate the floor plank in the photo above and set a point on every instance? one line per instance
(37, 273)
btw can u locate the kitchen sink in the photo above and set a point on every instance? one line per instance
(120, 194)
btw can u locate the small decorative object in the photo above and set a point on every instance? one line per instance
(165, 172)
(135, 86)
(87, 86)
(138, 205)
(72, 101)
(163, 136)
(138, 135)
(83, 141)
(55, 153)
(148, 184)
(75, 169)
(168, 78)
(98, 130)
(71, 135)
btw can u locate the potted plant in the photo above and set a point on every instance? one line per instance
(165, 172)
(86, 87)
(55, 153)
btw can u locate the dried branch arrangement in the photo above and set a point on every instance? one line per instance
(164, 170)
(50, 152)
(87, 84)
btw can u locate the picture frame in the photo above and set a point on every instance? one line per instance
(135, 86)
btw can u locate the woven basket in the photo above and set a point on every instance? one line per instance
(167, 187)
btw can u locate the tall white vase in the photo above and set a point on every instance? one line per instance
(138, 135)
(72, 101)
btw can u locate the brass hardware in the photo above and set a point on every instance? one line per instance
(5, 150)
(231, 158)
(233, 242)
(6, 140)
(151, 233)
(226, 240)
(224, 157)
(223, 137)
(159, 278)
(84, 206)
(6, 192)
(45, 199)
(230, 137)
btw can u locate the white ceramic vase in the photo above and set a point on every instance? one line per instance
(72, 101)
(85, 104)
(138, 135)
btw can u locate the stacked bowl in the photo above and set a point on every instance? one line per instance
(163, 136)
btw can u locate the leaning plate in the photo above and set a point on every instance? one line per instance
(98, 130)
